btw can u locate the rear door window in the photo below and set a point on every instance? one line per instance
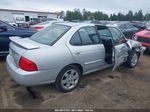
(89, 36)
(85, 36)
(76, 40)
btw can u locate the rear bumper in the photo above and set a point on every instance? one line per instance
(26, 78)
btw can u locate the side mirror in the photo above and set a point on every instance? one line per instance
(3, 29)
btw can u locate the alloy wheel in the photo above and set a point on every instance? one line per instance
(70, 79)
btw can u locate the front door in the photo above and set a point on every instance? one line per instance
(120, 47)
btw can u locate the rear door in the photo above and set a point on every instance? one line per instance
(120, 47)
(87, 49)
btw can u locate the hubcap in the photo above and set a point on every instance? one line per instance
(70, 79)
(134, 60)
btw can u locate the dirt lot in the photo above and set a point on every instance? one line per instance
(122, 89)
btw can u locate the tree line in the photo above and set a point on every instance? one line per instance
(77, 14)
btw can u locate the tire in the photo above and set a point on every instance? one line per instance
(132, 59)
(68, 78)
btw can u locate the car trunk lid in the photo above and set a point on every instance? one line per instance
(24, 42)
(19, 46)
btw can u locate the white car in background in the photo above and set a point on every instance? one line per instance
(43, 25)
(13, 24)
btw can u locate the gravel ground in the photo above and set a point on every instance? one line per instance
(122, 89)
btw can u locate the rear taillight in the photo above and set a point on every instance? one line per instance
(27, 65)
(38, 27)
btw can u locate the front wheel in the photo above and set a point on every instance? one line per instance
(68, 79)
(132, 59)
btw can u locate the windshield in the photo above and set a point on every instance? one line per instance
(50, 35)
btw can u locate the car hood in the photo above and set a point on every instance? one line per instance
(144, 33)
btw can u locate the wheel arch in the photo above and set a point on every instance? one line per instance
(79, 66)
(75, 64)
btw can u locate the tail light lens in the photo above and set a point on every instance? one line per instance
(27, 65)
(38, 27)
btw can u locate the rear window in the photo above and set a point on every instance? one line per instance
(50, 34)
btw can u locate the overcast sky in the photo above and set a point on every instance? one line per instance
(107, 6)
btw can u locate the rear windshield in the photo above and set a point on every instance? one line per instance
(50, 35)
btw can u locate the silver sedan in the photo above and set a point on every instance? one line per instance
(64, 52)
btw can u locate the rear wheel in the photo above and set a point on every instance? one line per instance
(132, 59)
(68, 79)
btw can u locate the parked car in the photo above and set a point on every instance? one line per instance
(127, 29)
(7, 30)
(138, 24)
(43, 25)
(143, 37)
(64, 52)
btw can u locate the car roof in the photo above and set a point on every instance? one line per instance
(72, 24)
